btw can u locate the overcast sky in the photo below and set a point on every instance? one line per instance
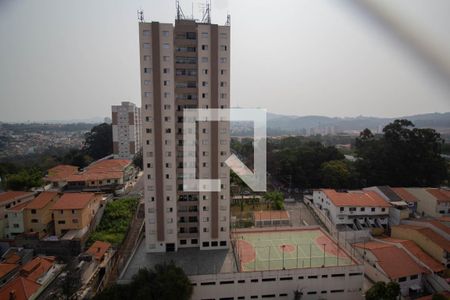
(63, 59)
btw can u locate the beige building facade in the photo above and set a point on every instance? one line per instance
(184, 66)
(126, 127)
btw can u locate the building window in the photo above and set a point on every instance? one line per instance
(147, 70)
(165, 33)
(147, 58)
(146, 32)
(146, 45)
(61, 222)
(166, 46)
(166, 70)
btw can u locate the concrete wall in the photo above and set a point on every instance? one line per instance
(315, 283)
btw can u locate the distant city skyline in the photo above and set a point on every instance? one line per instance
(73, 60)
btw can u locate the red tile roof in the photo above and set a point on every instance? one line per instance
(18, 207)
(100, 170)
(60, 172)
(396, 263)
(428, 234)
(441, 195)
(423, 256)
(73, 201)
(42, 200)
(11, 195)
(372, 245)
(356, 198)
(6, 269)
(22, 288)
(267, 215)
(404, 194)
(37, 267)
(98, 249)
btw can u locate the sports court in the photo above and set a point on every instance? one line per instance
(260, 250)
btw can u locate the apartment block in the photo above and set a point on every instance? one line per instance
(354, 210)
(126, 127)
(8, 200)
(75, 211)
(433, 202)
(185, 65)
(37, 215)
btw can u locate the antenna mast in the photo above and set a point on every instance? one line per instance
(140, 15)
(207, 13)
(180, 14)
(228, 23)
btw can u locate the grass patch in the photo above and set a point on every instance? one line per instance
(115, 221)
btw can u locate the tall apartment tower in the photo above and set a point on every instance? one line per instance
(184, 66)
(126, 128)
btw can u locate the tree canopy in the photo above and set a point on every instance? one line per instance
(164, 282)
(402, 156)
(383, 291)
(98, 141)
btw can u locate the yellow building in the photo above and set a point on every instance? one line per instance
(37, 215)
(74, 211)
(431, 242)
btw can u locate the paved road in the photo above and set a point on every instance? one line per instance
(299, 214)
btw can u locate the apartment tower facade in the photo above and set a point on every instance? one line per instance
(184, 66)
(126, 128)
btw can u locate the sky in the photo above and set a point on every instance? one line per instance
(64, 60)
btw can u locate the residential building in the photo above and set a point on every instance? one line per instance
(101, 175)
(436, 245)
(8, 200)
(126, 128)
(433, 202)
(32, 279)
(386, 262)
(184, 66)
(74, 211)
(37, 215)
(14, 220)
(403, 203)
(353, 210)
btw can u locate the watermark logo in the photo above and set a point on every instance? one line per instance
(255, 179)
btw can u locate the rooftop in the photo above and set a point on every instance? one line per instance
(287, 248)
(22, 288)
(98, 249)
(404, 194)
(6, 268)
(37, 267)
(73, 201)
(264, 215)
(441, 195)
(11, 195)
(356, 198)
(42, 200)
(429, 234)
(99, 170)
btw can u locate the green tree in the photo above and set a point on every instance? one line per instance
(335, 174)
(164, 282)
(383, 291)
(402, 156)
(24, 179)
(138, 160)
(98, 141)
(275, 200)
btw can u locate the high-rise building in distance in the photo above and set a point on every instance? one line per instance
(126, 128)
(184, 66)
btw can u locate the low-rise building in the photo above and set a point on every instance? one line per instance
(105, 174)
(354, 210)
(403, 203)
(436, 245)
(37, 215)
(14, 220)
(433, 202)
(386, 262)
(8, 200)
(74, 211)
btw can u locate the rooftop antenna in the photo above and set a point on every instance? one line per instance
(228, 23)
(180, 14)
(207, 13)
(140, 15)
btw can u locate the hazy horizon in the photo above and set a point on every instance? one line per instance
(74, 59)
